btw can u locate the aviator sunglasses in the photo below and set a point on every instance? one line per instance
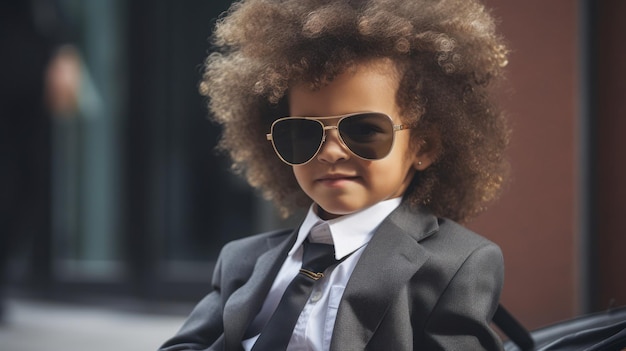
(368, 135)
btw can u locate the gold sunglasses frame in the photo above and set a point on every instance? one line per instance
(396, 127)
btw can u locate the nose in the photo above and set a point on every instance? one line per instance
(332, 150)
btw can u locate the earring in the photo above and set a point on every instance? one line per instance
(419, 163)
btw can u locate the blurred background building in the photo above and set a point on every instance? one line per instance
(133, 205)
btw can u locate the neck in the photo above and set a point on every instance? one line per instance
(323, 214)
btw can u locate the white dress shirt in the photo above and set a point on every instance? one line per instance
(350, 234)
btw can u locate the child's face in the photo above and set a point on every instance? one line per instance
(339, 182)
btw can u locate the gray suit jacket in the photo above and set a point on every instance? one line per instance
(422, 283)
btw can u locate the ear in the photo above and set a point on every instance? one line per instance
(425, 155)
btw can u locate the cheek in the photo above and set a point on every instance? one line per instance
(296, 173)
(301, 175)
(404, 151)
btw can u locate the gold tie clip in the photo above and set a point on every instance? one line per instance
(312, 275)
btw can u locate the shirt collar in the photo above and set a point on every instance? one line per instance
(348, 232)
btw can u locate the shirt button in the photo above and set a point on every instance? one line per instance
(316, 296)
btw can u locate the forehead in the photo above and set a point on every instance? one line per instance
(366, 86)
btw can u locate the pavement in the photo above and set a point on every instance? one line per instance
(51, 326)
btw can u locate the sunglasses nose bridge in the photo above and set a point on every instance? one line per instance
(327, 128)
(337, 140)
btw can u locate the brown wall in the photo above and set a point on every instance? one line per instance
(538, 220)
(535, 220)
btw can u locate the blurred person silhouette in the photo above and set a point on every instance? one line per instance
(39, 79)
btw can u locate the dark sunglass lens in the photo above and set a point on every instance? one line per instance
(368, 135)
(297, 140)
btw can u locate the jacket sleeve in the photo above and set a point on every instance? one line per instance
(203, 329)
(462, 316)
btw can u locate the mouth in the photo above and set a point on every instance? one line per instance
(336, 179)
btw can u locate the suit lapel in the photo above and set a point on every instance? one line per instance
(390, 259)
(243, 305)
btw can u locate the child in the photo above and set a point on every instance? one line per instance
(377, 116)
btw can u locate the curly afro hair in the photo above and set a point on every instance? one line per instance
(448, 55)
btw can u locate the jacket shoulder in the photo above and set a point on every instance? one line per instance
(251, 247)
(454, 235)
(453, 246)
(257, 239)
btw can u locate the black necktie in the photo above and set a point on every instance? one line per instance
(277, 333)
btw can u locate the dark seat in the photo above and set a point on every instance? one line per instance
(604, 331)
